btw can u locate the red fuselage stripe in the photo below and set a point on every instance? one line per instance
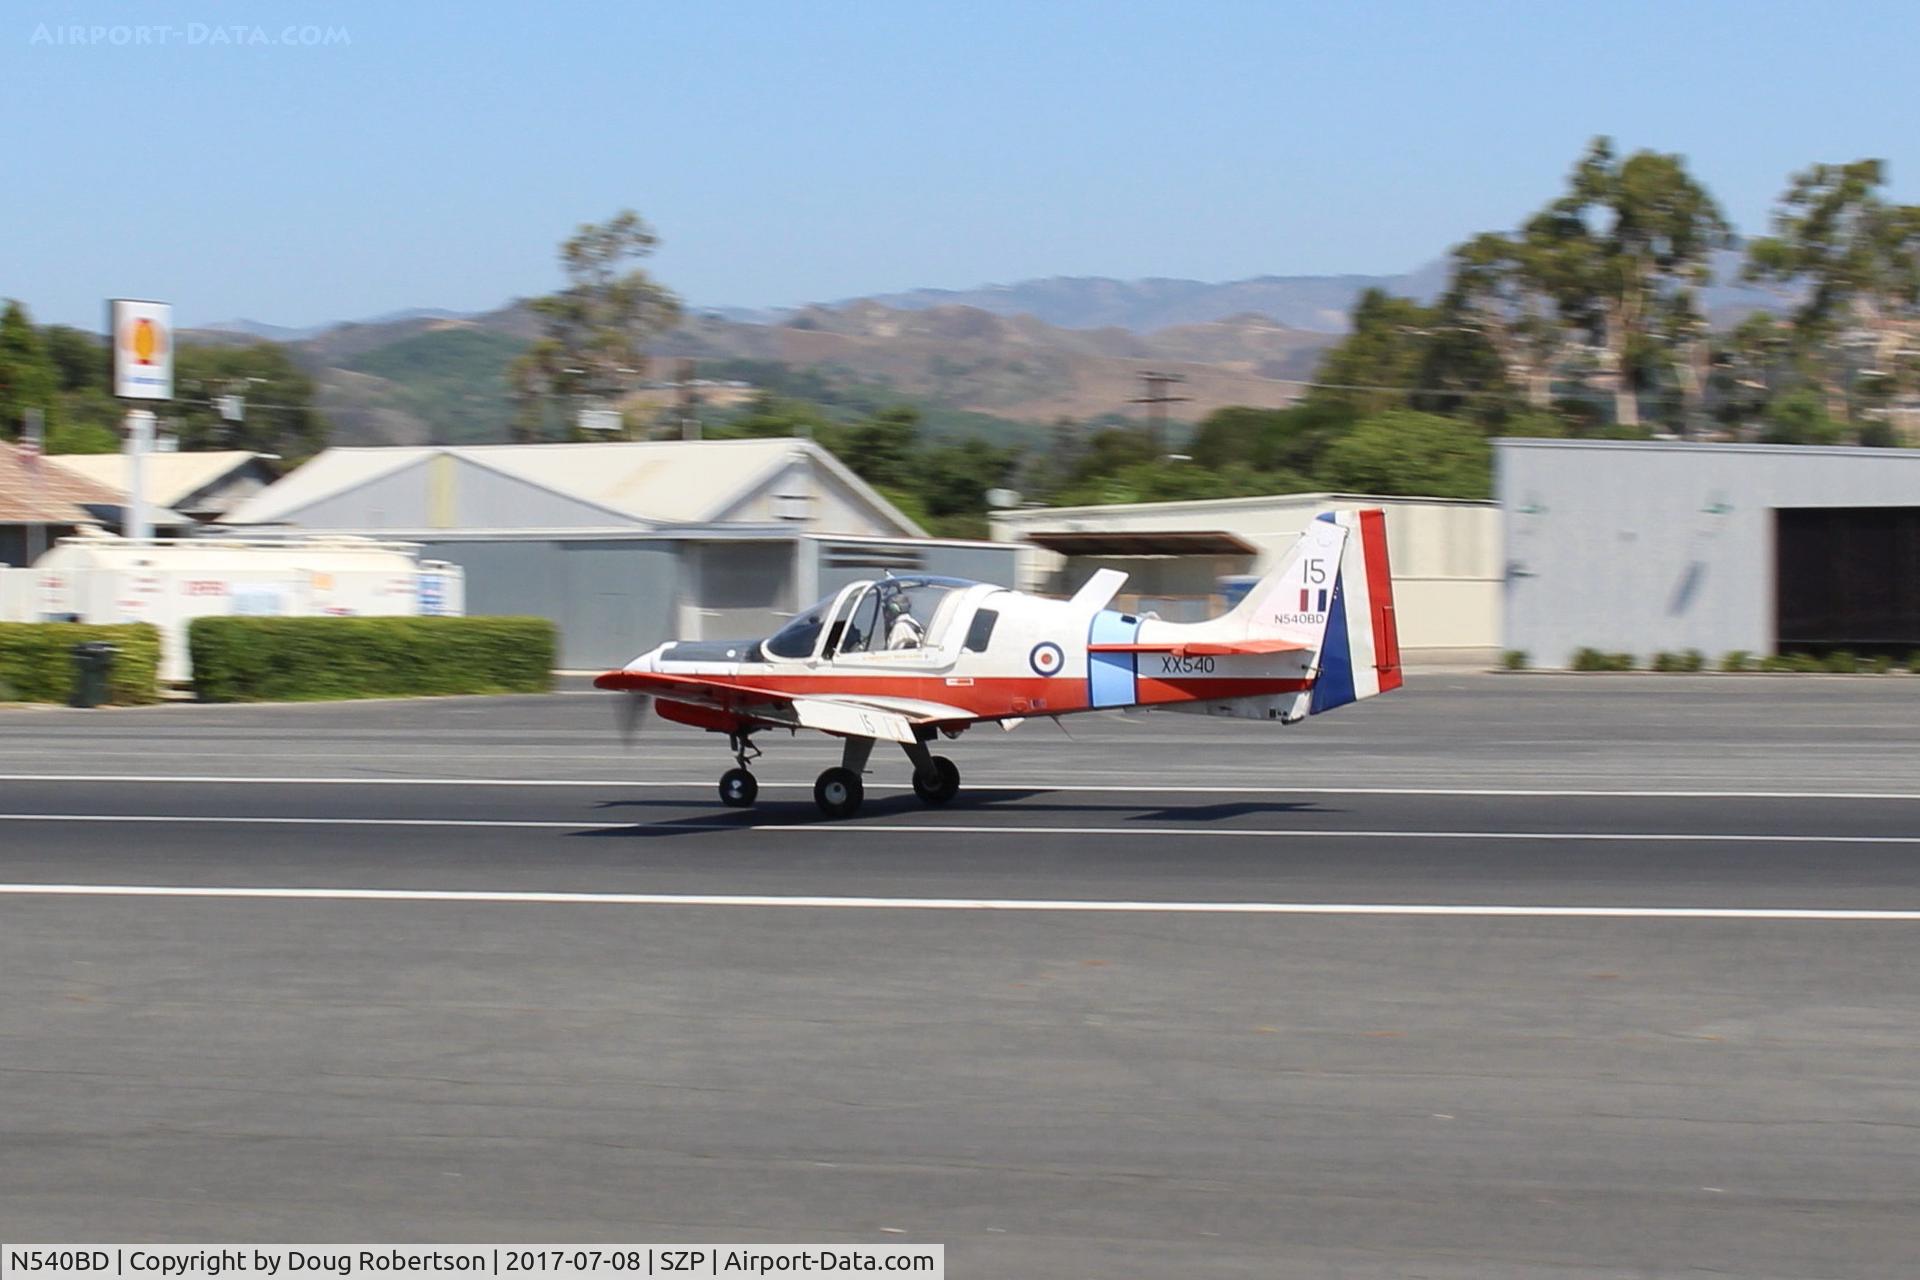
(986, 697)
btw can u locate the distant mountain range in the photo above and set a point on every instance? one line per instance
(1319, 304)
(1028, 352)
(281, 333)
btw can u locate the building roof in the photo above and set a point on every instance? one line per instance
(1095, 515)
(647, 482)
(1143, 542)
(59, 496)
(171, 478)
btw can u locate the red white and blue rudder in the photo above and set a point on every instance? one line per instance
(1360, 652)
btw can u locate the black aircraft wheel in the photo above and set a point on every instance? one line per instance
(838, 793)
(942, 786)
(738, 788)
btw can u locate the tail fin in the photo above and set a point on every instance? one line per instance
(1361, 652)
(1293, 602)
(1333, 596)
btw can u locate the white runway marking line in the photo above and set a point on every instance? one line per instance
(956, 904)
(857, 827)
(1141, 788)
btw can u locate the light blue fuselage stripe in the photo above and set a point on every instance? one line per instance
(1334, 685)
(1110, 676)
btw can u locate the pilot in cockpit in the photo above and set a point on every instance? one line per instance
(903, 629)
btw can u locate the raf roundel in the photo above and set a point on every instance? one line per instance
(1046, 659)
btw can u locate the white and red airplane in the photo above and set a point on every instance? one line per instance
(911, 659)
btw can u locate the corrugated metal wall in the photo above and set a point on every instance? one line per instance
(611, 598)
(1639, 548)
(614, 598)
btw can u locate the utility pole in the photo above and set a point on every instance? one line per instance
(689, 403)
(33, 444)
(1156, 399)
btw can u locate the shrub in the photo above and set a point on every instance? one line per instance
(1693, 660)
(1807, 662)
(36, 660)
(1777, 662)
(1881, 665)
(1736, 660)
(1913, 662)
(1842, 662)
(1595, 660)
(1514, 660)
(308, 659)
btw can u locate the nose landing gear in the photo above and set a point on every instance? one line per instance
(738, 787)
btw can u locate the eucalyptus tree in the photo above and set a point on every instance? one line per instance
(1612, 265)
(1851, 261)
(595, 331)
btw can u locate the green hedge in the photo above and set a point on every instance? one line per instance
(308, 659)
(36, 660)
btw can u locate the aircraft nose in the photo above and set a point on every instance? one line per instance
(648, 661)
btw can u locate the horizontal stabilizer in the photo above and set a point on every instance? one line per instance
(1097, 592)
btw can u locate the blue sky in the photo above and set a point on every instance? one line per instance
(790, 152)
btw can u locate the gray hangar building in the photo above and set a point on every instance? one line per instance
(623, 545)
(1649, 546)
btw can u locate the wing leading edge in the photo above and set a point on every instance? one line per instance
(892, 719)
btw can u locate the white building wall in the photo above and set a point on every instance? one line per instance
(1445, 554)
(1648, 546)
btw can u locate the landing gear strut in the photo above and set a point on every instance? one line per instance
(738, 787)
(839, 791)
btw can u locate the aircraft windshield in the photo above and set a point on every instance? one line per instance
(797, 638)
(891, 614)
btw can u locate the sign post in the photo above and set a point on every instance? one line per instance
(142, 334)
(138, 526)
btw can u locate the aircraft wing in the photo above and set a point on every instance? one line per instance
(1202, 648)
(855, 715)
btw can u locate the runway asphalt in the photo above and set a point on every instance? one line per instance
(1499, 976)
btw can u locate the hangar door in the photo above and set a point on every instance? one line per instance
(1847, 578)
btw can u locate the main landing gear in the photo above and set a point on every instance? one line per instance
(838, 791)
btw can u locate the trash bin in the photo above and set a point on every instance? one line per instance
(92, 667)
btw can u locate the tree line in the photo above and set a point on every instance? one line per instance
(1586, 321)
(63, 372)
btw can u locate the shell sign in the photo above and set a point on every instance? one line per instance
(142, 349)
